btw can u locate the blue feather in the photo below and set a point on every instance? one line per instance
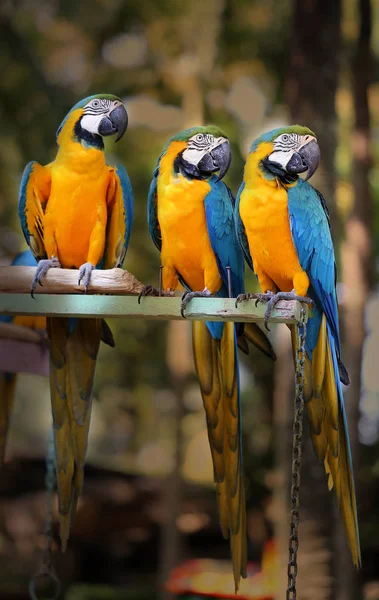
(240, 229)
(22, 199)
(127, 196)
(313, 242)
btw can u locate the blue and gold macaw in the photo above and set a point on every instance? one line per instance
(283, 227)
(190, 216)
(76, 212)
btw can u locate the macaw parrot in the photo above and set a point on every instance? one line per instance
(8, 380)
(190, 217)
(76, 212)
(282, 224)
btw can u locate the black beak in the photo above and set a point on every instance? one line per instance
(310, 154)
(117, 122)
(218, 159)
(307, 159)
(222, 156)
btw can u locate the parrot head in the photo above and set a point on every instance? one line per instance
(290, 150)
(203, 152)
(96, 117)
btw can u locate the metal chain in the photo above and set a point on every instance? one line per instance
(301, 332)
(46, 570)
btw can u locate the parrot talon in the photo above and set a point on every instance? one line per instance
(42, 268)
(257, 297)
(187, 297)
(150, 290)
(275, 298)
(85, 274)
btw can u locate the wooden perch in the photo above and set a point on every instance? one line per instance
(18, 280)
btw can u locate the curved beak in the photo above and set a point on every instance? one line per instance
(218, 159)
(310, 155)
(222, 156)
(306, 159)
(119, 119)
(116, 122)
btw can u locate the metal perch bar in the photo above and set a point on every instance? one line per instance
(61, 296)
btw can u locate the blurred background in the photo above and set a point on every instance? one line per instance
(149, 502)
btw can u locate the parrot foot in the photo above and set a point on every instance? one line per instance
(85, 274)
(150, 290)
(275, 298)
(187, 297)
(42, 268)
(257, 297)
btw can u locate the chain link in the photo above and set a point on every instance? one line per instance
(46, 569)
(301, 332)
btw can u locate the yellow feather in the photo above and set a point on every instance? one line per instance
(318, 359)
(72, 364)
(258, 338)
(215, 363)
(228, 362)
(330, 390)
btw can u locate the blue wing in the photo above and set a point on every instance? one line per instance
(219, 204)
(240, 230)
(120, 218)
(309, 221)
(33, 197)
(152, 211)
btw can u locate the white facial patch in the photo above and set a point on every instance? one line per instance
(284, 147)
(281, 158)
(91, 122)
(199, 145)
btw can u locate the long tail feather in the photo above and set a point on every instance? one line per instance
(73, 352)
(255, 335)
(7, 389)
(326, 414)
(217, 371)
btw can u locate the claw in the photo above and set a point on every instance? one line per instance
(257, 297)
(187, 297)
(275, 298)
(150, 290)
(42, 268)
(85, 274)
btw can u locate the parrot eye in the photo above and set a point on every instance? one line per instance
(285, 137)
(95, 103)
(199, 137)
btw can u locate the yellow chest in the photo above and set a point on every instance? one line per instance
(77, 203)
(264, 213)
(185, 239)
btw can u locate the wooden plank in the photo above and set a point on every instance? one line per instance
(201, 309)
(18, 280)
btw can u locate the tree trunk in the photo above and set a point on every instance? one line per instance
(311, 89)
(312, 83)
(356, 264)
